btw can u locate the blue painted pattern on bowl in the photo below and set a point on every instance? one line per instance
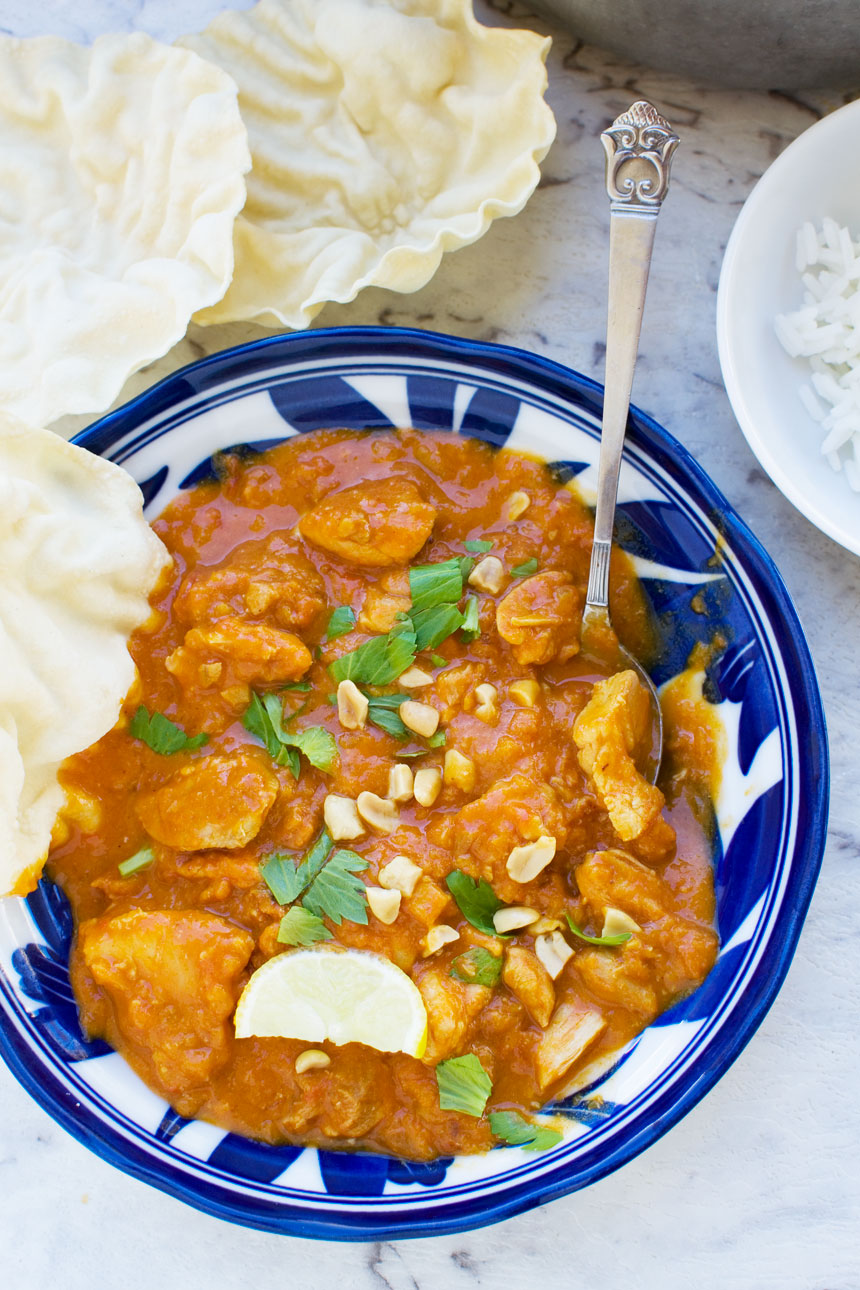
(771, 810)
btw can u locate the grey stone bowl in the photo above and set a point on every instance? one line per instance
(744, 44)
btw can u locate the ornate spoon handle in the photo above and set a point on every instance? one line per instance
(639, 147)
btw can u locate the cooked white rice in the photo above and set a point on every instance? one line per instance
(826, 331)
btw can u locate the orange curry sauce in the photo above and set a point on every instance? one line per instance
(162, 955)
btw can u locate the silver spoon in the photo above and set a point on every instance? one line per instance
(639, 146)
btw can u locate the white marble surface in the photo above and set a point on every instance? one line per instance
(759, 1186)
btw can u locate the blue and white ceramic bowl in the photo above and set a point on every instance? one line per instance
(771, 810)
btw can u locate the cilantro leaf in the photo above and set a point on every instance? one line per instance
(378, 661)
(620, 939)
(383, 711)
(477, 967)
(438, 661)
(476, 900)
(341, 622)
(435, 584)
(464, 1085)
(265, 719)
(140, 860)
(303, 686)
(432, 626)
(471, 628)
(300, 927)
(480, 546)
(513, 1128)
(526, 569)
(161, 734)
(336, 893)
(438, 740)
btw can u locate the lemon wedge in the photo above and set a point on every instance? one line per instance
(345, 996)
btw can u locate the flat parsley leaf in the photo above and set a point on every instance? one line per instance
(477, 967)
(383, 711)
(519, 1132)
(464, 1085)
(476, 900)
(526, 569)
(341, 622)
(161, 734)
(620, 939)
(435, 584)
(479, 546)
(433, 626)
(336, 893)
(378, 661)
(325, 881)
(300, 927)
(265, 719)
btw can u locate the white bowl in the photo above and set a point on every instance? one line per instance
(817, 175)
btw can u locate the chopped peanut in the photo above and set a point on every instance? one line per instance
(428, 785)
(237, 697)
(312, 1059)
(341, 818)
(616, 923)
(514, 917)
(459, 770)
(489, 575)
(518, 503)
(352, 706)
(487, 709)
(553, 951)
(384, 903)
(400, 874)
(414, 677)
(438, 936)
(524, 692)
(400, 782)
(420, 717)
(544, 925)
(525, 863)
(377, 811)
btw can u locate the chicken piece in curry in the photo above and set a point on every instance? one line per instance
(370, 641)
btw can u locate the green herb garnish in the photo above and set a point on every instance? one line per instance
(438, 740)
(477, 967)
(383, 710)
(476, 901)
(464, 1085)
(480, 546)
(433, 626)
(620, 939)
(471, 628)
(325, 880)
(264, 718)
(286, 880)
(301, 686)
(161, 734)
(140, 860)
(435, 584)
(519, 1132)
(378, 661)
(438, 661)
(526, 569)
(341, 622)
(300, 927)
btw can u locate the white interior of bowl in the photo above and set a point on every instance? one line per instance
(816, 176)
